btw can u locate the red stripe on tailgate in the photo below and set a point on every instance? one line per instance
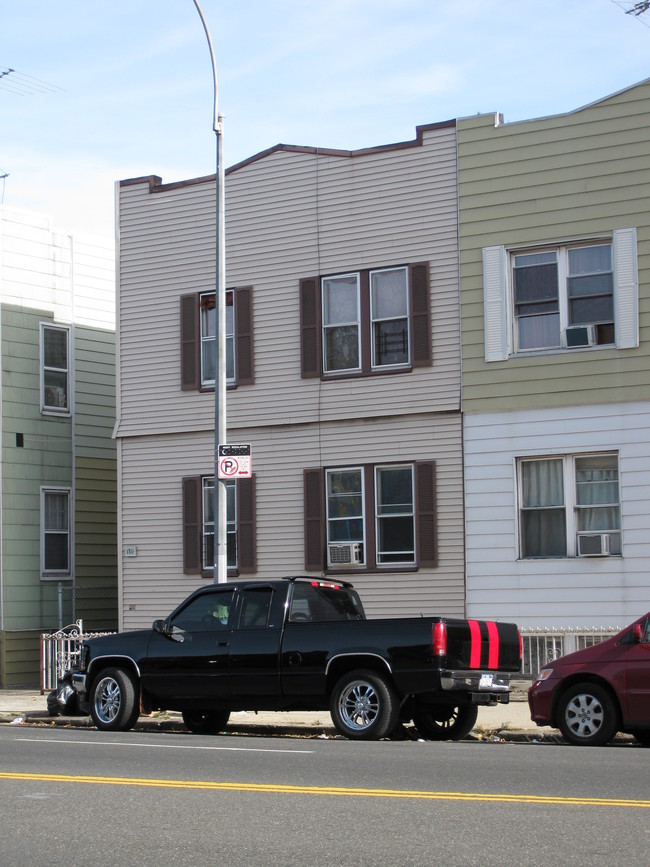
(475, 648)
(493, 635)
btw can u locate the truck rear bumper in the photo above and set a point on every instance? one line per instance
(485, 687)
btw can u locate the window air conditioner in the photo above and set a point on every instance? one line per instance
(593, 545)
(344, 555)
(578, 336)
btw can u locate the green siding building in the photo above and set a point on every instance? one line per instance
(58, 538)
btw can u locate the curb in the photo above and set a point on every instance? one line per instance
(307, 730)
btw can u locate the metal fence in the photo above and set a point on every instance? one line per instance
(60, 651)
(541, 646)
(95, 604)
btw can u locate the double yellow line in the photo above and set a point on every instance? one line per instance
(265, 788)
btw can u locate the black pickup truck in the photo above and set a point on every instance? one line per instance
(299, 644)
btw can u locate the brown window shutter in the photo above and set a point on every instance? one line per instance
(244, 369)
(426, 525)
(420, 314)
(192, 525)
(314, 520)
(246, 539)
(190, 341)
(310, 339)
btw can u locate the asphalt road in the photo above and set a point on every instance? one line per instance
(69, 796)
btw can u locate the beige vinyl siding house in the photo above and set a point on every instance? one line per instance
(555, 306)
(368, 226)
(58, 547)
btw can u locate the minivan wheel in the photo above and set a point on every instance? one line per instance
(587, 715)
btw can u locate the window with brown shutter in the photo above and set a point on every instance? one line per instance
(365, 323)
(198, 323)
(197, 524)
(371, 517)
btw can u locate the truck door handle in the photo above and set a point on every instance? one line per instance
(223, 643)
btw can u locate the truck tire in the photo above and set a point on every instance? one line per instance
(364, 706)
(206, 722)
(444, 722)
(114, 700)
(587, 715)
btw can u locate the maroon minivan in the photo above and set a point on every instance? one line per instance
(594, 693)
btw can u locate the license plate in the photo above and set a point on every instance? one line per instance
(486, 681)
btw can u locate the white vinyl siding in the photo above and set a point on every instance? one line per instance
(574, 590)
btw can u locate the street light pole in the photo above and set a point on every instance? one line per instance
(219, 503)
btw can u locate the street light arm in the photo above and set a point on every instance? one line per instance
(217, 121)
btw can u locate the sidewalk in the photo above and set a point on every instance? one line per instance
(508, 722)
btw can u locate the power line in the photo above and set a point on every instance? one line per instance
(22, 84)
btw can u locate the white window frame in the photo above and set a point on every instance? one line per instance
(207, 527)
(207, 339)
(47, 573)
(362, 517)
(498, 300)
(46, 408)
(352, 322)
(407, 317)
(561, 254)
(571, 507)
(409, 513)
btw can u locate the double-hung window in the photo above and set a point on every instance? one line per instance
(208, 337)
(198, 319)
(362, 323)
(561, 297)
(55, 369)
(564, 297)
(55, 532)
(207, 521)
(198, 525)
(372, 516)
(569, 506)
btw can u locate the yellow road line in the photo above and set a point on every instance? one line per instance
(328, 790)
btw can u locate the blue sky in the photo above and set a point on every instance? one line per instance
(120, 89)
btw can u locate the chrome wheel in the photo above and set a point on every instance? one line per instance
(108, 699)
(115, 700)
(359, 705)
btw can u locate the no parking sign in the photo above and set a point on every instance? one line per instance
(234, 461)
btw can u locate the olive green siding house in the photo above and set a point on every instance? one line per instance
(554, 222)
(58, 471)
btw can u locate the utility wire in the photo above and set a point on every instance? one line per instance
(22, 84)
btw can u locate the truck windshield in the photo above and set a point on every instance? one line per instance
(317, 602)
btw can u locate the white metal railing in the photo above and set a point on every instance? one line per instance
(60, 651)
(541, 646)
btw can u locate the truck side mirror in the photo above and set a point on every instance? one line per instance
(637, 634)
(160, 626)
